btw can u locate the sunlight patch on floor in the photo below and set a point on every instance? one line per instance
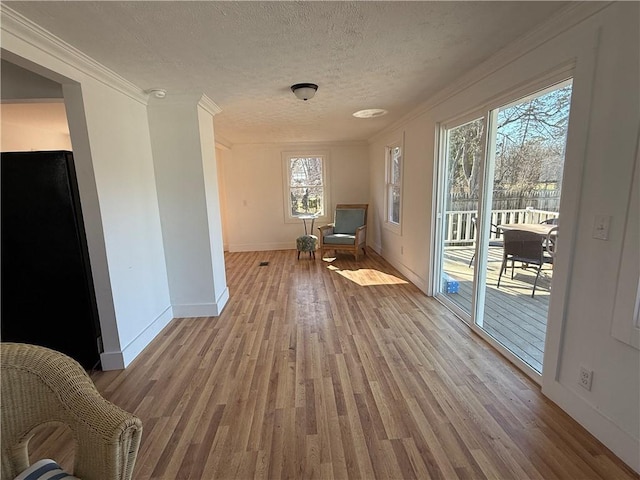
(366, 277)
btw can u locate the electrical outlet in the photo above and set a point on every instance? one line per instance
(585, 378)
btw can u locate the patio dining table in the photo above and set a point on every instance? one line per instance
(548, 232)
(541, 229)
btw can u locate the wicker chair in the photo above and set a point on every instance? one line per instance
(41, 387)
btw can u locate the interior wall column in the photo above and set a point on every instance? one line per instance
(183, 146)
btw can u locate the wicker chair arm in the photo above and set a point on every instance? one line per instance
(107, 443)
(42, 386)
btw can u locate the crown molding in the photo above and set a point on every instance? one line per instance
(209, 105)
(21, 27)
(301, 146)
(221, 143)
(187, 98)
(564, 20)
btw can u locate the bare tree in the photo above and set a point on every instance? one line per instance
(530, 142)
(465, 157)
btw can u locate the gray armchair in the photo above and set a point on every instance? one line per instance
(348, 232)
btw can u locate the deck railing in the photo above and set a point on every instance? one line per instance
(460, 230)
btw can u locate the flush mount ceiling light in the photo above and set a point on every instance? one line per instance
(304, 91)
(157, 92)
(370, 113)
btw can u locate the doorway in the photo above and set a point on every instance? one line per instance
(499, 187)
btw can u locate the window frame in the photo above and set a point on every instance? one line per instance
(286, 181)
(390, 185)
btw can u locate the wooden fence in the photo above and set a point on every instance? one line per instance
(510, 200)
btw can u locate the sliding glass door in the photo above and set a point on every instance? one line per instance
(460, 184)
(500, 178)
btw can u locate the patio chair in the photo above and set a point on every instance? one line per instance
(526, 248)
(348, 232)
(548, 242)
(493, 242)
(43, 387)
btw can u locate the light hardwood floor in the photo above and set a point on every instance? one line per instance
(339, 370)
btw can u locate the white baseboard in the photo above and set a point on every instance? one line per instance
(261, 247)
(410, 274)
(624, 445)
(203, 309)
(119, 360)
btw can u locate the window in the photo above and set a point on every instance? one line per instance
(394, 185)
(306, 185)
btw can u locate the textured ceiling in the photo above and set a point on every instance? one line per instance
(245, 55)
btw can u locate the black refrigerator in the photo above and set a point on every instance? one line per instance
(47, 293)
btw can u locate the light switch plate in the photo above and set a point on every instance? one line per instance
(601, 225)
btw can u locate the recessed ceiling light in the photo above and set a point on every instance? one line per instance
(157, 92)
(370, 113)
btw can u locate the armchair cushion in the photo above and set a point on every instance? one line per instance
(348, 220)
(339, 239)
(45, 469)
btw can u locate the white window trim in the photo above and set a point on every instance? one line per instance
(389, 225)
(286, 156)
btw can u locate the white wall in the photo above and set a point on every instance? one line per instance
(255, 216)
(603, 53)
(20, 84)
(112, 151)
(212, 191)
(408, 250)
(19, 132)
(222, 153)
(124, 174)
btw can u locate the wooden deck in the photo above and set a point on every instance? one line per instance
(511, 316)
